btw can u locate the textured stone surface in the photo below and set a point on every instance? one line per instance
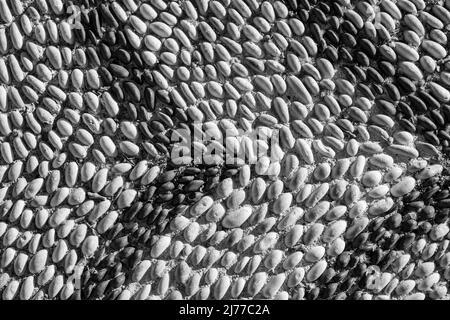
(338, 113)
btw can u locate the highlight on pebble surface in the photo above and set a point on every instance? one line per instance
(224, 150)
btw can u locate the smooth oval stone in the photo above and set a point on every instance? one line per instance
(371, 178)
(381, 206)
(336, 247)
(430, 171)
(439, 231)
(316, 271)
(425, 269)
(403, 187)
(393, 174)
(236, 218)
(295, 277)
(201, 206)
(334, 230)
(405, 287)
(273, 285)
(314, 254)
(215, 213)
(356, 228)
(381, 161)
(403, 137)
(282, 203)
(225, 188)
(292, 260)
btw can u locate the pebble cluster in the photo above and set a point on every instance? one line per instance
(354, 202)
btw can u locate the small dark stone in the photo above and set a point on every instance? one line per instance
(313, 294)
(105, 52)
(343, 260)
(412, 196)
(329, 290)
(331, 54)
(347, 284)
(406, 241)
(376, 224)
(360, 240)
(85, 277)
(386, 68)
(316, 32)
(387, 260)
(131, 111)
(122, 56)
(407, 125)
(121, 39)
(87, 291)
(149, 97)
(76, 295)
(358, 72)
(362, 59)
(131, 212)
(345, 55)
(318, 15)
(81, 35)
(405, 86)
(341, 276)
(437, 117)
(392, 91)
(324, 8)
(442, 216)
(377, 89)
(303, 15)
(386, 107)
(126, 253)
(365, 91)
(349, 75)
(357, 295)
(431, 137)
(359, 270)
(334, 23)
(194, 185)
(107, 17)
(99, 290)
(112, 295)
(118, 281)
(383, 34)
(331, 37)
(99, 274)
(426, 123)
(430, 102)
(337, 10)
(92, 57)
(404, 108)
(390, 241)
(114, 231)
(393, 221)
(376, 256)
(137, 60)
(119, 243)
(341, 296)
(347, 40)
(144, 238)
(368, 47)
(443, 195)
(347, 26)
(427, 212)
